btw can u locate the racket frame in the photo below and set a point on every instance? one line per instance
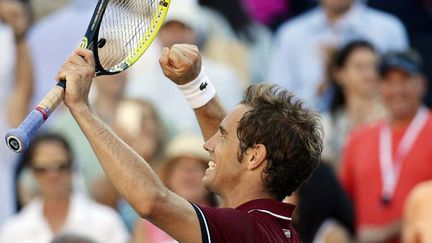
(18, 139)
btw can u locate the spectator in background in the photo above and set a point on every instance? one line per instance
(302, 44)
(250, 42)
(182, 25)
(417, 218)
(182, 172)
(107, 100)
(59, 209)
(353, 74)
(416, 15)
(51, 40)
(138, 124)
(43, 8)
(106, 97)
(16, 82)
(324, 212)
(384, 161)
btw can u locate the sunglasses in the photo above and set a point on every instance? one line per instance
(62, 167)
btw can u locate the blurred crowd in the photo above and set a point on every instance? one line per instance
(365, 65)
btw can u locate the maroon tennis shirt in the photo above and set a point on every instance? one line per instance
(257, 221)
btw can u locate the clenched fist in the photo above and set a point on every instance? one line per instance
(78, 71)
(181, 63)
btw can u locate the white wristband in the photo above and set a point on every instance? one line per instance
(199, 91)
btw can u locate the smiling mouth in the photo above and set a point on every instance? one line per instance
(211, 166)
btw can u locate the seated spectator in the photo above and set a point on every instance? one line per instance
(138, 124)
(106, 97)
(416, 15)
(182, 172)
(302, 44)
(417, 219)
(354, 77)
(16, 82)
(384, 161)
(58, 209)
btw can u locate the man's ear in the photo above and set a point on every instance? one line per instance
(256, 156)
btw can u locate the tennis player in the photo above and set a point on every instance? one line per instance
(260, 152)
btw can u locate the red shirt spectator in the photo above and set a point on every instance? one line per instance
(361, 174)
(383, 162)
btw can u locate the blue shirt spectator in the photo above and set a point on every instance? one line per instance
(302, 44)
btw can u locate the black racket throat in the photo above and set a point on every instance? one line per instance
(90, 40)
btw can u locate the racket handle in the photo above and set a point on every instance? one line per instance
(18, 138)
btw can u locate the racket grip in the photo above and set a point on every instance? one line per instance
(18, 139)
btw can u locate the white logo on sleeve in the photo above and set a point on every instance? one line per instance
(287, 233)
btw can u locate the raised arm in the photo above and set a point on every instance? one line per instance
(16, 15)
(174, 61)
(129, 173)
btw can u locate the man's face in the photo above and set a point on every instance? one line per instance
(401, 92)
(224, 171)
(51, 167)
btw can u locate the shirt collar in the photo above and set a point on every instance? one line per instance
(351, 19)
(269, 206)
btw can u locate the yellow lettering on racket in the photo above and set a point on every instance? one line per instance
(84, 42)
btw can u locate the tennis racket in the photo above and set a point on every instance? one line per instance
(119, 32)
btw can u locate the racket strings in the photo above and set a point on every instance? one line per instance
(124, 26)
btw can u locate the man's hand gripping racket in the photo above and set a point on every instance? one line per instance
(118, 34)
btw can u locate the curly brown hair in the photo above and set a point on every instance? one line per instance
(291, 134)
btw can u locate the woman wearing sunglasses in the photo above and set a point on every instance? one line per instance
(57, 210)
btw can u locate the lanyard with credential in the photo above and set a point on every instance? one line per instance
(390, 169)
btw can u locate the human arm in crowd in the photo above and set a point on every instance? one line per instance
(16, 15)
(375, 234)
(129, 173)
(417, 214)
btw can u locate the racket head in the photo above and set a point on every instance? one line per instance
(124, 33)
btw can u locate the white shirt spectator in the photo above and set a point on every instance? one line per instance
(86, 218)
(8, 158)
(298, 59)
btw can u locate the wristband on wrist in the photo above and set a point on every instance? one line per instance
(199, 91)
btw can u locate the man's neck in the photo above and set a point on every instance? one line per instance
(56, 202)
(236, 198)
(56, 211)
(402, 121)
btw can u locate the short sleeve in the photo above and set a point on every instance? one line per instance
(226, 225)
